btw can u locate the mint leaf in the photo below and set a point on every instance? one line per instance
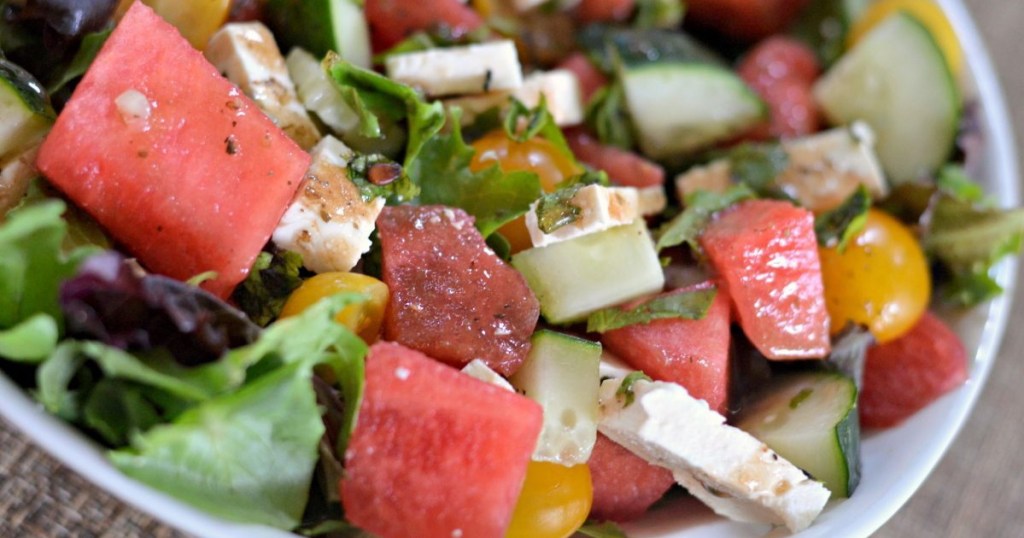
(607, 116)
(371, 95)
(687, 226)
(625, 390)
(836, 227)
(272, 279)
(555, 210)
(693, 304)
(492, 196)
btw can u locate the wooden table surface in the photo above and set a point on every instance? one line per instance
(975, 492)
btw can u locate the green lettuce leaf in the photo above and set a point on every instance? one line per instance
(31, 340)
(687, 226)
(838, 226)
(692, 304)
(492, 196)
(273, 277)
(87, 51)
(371, 94)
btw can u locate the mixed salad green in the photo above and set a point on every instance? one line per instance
(413, 118)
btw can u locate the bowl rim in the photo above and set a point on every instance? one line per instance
(86, 458)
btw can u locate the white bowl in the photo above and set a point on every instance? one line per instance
(895, 461)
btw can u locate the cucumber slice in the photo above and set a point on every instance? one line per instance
(561, 374)
(318, 94)
(321, 26)
(897, 80)
(811, 420)
(25, 112)
(577, 277)
(679, 108)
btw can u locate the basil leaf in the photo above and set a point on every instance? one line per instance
(693, 304)
(492, 196)
(836, 227)
(687, 226)
(272, 279)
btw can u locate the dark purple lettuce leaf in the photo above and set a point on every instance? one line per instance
(112, 301)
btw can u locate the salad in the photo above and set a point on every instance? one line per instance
(488, 269)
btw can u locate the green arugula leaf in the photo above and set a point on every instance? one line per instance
(607, 116)
(492, 196)
(659, 13)
(272, 279)
(87, 51)
(687, 226)
(693, 304)
(625, 390)
(371, 95)
(605, 529)
(838, 226)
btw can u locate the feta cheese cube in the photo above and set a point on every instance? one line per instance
(479, 369)
(457, 70)
(559, 87)
(729, 470)
(600, 208)
(652, 200)
(328, 223)
(248, 56)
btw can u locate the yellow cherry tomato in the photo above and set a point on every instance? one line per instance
(364, 319)
(197, 20)
(927, 12)
(534, 155)
(554, 502)
(880, 280)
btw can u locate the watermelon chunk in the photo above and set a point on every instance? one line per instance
(451, 297)
(623, 166)
(435, 453)
(692, 353)
(391, 21)
(766, 253)
(625, 485)
(170, 157)
(903, 376)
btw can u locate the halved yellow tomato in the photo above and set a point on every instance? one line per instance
(554, 502)
(364, 319)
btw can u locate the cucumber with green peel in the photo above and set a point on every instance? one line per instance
(897, 80)
(25, 111)
(680, 108)
(574, 278)
(811, 419)
(317, 93)
(320, 26)
(561, 374)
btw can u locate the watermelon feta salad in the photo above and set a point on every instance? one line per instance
(503, 268)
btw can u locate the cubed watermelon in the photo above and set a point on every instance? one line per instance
(692, 353)
(170, 157)
(451, 296)
(623, 166)
(903, 376)
(391, 21)
(766, 254)
(625, 485)
(435, 453)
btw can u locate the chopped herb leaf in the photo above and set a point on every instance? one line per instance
(606, 115)
(687, 226)
(273, 277)
(87, 51)
(555, 210)
(523, 123)
(758, 166)
(625, 390)
(836, 227)
(361, 171)
(659, 13)
(693, 304)
(491, 195)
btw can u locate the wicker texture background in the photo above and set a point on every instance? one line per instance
(976, 490)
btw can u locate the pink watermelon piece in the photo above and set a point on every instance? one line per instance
(692, 353)
(187, 173)
(451, 296)
(435, 453)
(766, 253)
(625, 485)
